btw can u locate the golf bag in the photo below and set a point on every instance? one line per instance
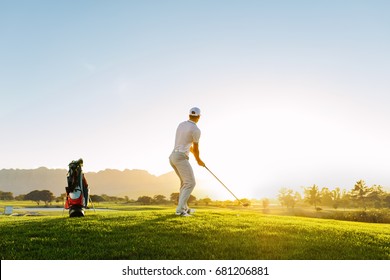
(77, 190)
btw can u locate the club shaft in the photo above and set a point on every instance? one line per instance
(223, 184)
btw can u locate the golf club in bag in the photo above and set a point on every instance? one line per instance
(242, 203)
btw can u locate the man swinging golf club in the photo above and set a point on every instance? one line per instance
(186, 141)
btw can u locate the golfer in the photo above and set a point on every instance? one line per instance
(186, 141)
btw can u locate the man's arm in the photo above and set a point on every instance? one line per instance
(195, 150)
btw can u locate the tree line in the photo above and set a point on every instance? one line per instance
(38, 196)
(47, 197)
(360, 196)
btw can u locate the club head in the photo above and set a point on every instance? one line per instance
(245, 204)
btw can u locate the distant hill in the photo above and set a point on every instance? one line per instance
(131, 183)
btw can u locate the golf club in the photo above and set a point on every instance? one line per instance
(243, 204)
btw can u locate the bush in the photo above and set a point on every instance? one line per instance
(367, 216)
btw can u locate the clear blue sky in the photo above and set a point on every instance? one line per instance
(293, 93)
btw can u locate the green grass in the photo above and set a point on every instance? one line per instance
(212, 233)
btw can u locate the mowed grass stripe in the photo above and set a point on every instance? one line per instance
(155, 233)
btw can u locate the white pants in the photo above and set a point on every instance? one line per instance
(183, 169)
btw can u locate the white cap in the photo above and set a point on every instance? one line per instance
(195, 112)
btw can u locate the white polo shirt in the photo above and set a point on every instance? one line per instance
(186, 133)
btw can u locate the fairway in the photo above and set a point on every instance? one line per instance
(146, 233)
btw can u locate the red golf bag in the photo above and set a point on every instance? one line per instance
(77, 190)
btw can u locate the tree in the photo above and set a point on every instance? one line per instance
(37, 196)
(6, 196)
(145, 200)
(376, 196)
(313, 196)
(191, 199)
(288, 198)
(34, 196)
(265, 203)
(326, 197)
(282, 196)
(106, 197)
(386, 200)
(112, 198)
(47, 196)
(174, 197)
(61, 197)
(160, 199)
(96, 198)
(206, 201)
(20, 197)
(360, 193)
(345, 200)
(297, 198)
(336, 197)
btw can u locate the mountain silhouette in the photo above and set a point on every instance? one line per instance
(112, 182)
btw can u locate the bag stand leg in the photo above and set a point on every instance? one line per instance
(90, 200)
(63, 208)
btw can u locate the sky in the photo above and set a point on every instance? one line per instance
(292, 93)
